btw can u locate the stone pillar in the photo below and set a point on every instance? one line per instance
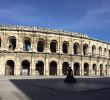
(33, 65)
(17, 42)
(44, 69)
(34, 44)
(81, 67)
(47, 67)
(2, 65)
(71, 46)
(20, 46)
(98, 69)
(60, 66)
(17, 65)
(58, 69)
(90, 68)
(60, 45)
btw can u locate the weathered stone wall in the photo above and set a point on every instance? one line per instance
(33, 56)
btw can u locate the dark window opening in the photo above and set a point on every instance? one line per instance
(101, 70)
(27, 45)
(65, 68)
(12, 44)
(0, 42)
(40, 68)
(25, 67)
(93, 50)
(105, 51)
(100, 51)
(9, 70)
(85, 49)
(40, 46)
(76, 48)
(53, 46)
(53, 68)
(109, 53)
(76, 69)
(86, 69)
(65, 47)
(94, 69)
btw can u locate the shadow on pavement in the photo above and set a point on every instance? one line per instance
(39, 88)
(52, 89)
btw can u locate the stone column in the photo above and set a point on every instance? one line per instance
(33, 65)
(44, 69)
(34, 43)
(90, 67)
(47, 66)
(2, 65)
(81, 67)
(47, 45)
(20, 46)
(98, 69)
(17, 65)
(60, 66)
(60, 45)
(71, 46)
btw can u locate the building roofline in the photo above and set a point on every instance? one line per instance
(47, 30)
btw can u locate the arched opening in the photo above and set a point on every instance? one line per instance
(85, 49)
(106, 69)
(100, 51)
(94, 67)
(76, 48)
(0, 41)
(101, 70)
(76, 69)
(105, 51)
(40, 68)
(53, 46)
(86, 69)
(40, 46)
(27, 45)
(53, 68)
(109, 53)
(65, 47)
(25, 67)
(9, 69)
(93, 50)
(65, 68)
(12, 43)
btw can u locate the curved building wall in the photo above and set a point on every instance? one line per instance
(25, 51)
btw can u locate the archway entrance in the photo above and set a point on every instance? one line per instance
(53, 68)
(12, 43)
(94, 67)
(40, 68)
(85, 49)
(106, 68)
(76, 69)
(101, 70)
(86, 69)
(25, 67)
(27, 45)
(65, 47)
(40, 45)
(76, 48)
(65, 68)
(9, 69)
(53, 46)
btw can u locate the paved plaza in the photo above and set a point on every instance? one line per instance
(53, 88)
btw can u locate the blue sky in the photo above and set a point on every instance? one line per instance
(84, 16)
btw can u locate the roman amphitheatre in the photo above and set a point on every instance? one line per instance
(34, 51)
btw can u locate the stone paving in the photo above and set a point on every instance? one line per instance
(53, 88)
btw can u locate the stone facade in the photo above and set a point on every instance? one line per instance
(37, 51)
